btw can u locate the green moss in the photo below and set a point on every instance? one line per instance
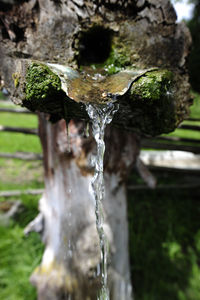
(43, 89)
(41, 82)
(103, 50)
(117, 60)
(153, 99)
(153, 85)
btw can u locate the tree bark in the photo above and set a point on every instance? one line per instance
(72, 253)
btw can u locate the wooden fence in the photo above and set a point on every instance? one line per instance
(158, 143)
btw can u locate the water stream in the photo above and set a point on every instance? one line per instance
(101, 115)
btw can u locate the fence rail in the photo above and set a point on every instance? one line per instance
(158, 143)
(22, 155)
(19, 130)
(155, 144)
(19, 193)
(15, 110)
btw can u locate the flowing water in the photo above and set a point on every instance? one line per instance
(101, 115)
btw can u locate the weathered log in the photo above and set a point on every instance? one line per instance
(72, 253)
(57, 55)
(131, 37)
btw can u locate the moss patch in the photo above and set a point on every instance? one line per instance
(153, 85)
(117, 61)
(100, 48)
(153, 99)
(43, 89)
(41, 82)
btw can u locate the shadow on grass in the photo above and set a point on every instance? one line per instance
(165, 245)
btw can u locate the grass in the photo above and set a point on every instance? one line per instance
(18, 142)
(19, 120)
(19, 255)
(165, 245)
(13, 142)
(195, 108)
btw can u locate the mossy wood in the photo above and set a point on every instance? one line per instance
(132, 51)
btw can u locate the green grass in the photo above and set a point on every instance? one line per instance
(13, 142)
(19, 255)
(20, 175)
(19, 120)
(195, 108)
(165, 245)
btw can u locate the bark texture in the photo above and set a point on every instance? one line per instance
(72, 253)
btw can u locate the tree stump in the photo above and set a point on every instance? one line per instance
(58, 55)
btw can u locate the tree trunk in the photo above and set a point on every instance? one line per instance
(140, 41)
(72, 253)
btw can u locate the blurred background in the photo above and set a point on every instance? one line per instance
(164, 223)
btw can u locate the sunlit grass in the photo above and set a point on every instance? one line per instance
(19, 256)
(13, 142)
(195, 108)
(18, 120)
